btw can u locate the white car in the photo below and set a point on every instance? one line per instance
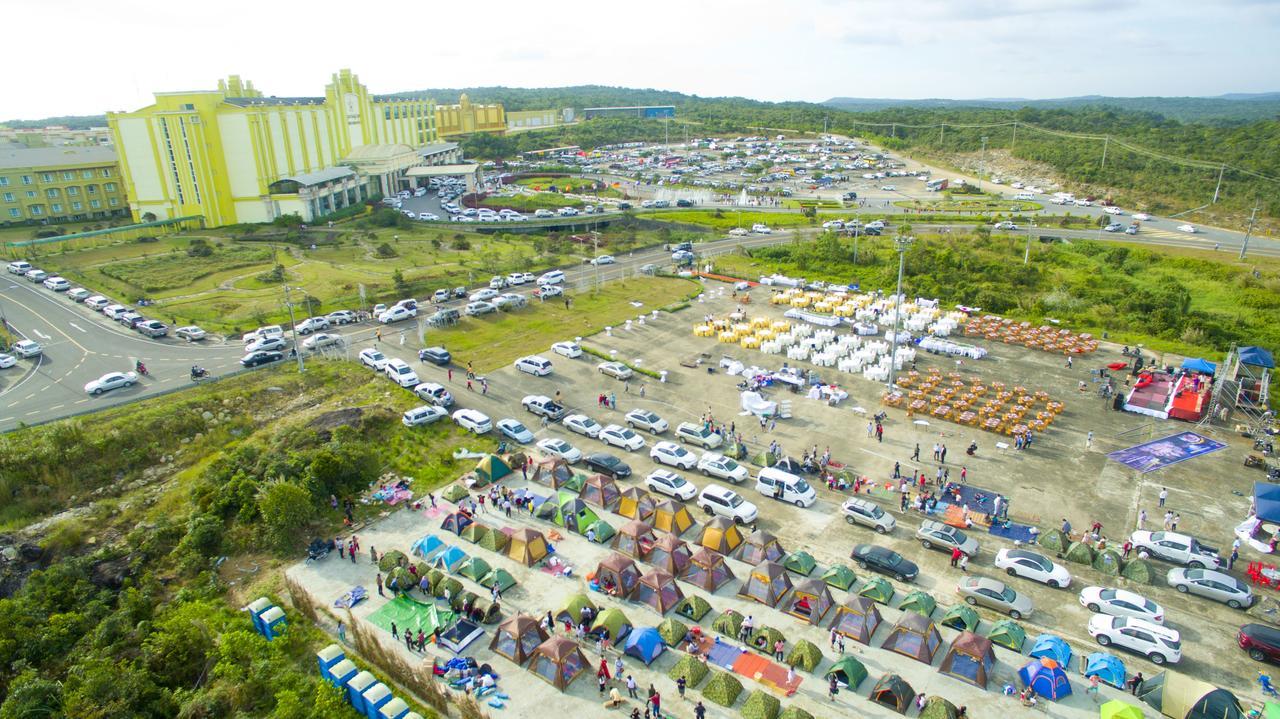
(1176, 548)
(534, 365)
(397, 314)
(322, 340)
(664, 481)
(19, 267)
(1187, 228)
(619, 436)
(1161, 645)
(190, 333)
(27, 348)
(615, 369)
(567, 349)
(483, 295)
(644, 419)
(1121, 603)
(497, 283)
(557, 447)
(434, 393)
(475, 309)
(553, 277)
(97, 303)
(514, 430)
(342, 317)
(1141, 216)
(738, 232)
(717, 465)
(7, 361)
(604, 260)
(311, 324)
(1033, 566)
(888, 188)
(57, 284)
(472, 420)
(673, 454)
(526, 277)
(428, 216)
(426, 414)
(582, 424)
(401, 373)
(545, 291)
(721, 501)
(515, 278)
(266, 344)
(373, 358)
(110, 381)
(36, 275)
(1113, 210)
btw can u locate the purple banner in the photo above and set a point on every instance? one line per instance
(1160, 453)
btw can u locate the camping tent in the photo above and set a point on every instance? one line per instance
(761, 546)
(501, 577)
(1266, 501)
(720, 535)
(617, 575)
(1140, 571)
(839, 576)
(601, 531)
(428, 546)
(1046, 677)
(527, 546)
(810, 601)
(474, 569)
(970, 659)
(1106, 667)
(1052, 647)
(877, 589)
(572, 610)
(768, 583)
(707, 570)
(848, 671)
(659, 590)
(1119, 710)
(1008, 633)
(857, 619)
(456, 522)
(1054, 540)
(517, 637)
(454, 492)
(635, 503)
(1108, 561)
(1198, 364)
(670, 553)
(611, 623)
(935, 707)
(1181, 697)
(693, 607)
(892, 691)
(554, 472)
(914, 636)
(1257, 357)
(558, 661)
(919, 602)
(575, 516)
(600, 491)
(490, 469)
(671, 516)
(1080, 553)
(634, 539)
(475, 532)
(790, 464)
(673, 631)
(801, 563)
(728, 623)
(644, 644)
(450, 559)
(495, 541)
(962, 617)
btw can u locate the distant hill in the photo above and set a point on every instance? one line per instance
(75, 122)
(1232, 108)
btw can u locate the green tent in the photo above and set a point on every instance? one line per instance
(454, 492)
(392, 559)
(434, 577)
(672, 631)
(1139, 570)
(401, 579)
(877, 589)
(1080, 553)
(761, 705)
(1054, 540)
(840, 577)
(728, 623)
(490, 469)
(500, 577)
(475, 532)
(450, 585)
(962, 617)
(572, 610)
(848, 671)
(613, 624)
(801, 563)
(723, 688)
(919, 602)
(693, 607)
(763, 639)
(1108, 562)
(1008, 633)
(1119, 710)
(576, 515)
(407, 613)
(935, 707)
(693, 669)
(474, 568)
(494, 541)
(601, 530)
(794, 712)
(804, 655)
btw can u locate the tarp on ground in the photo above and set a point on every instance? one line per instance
(490, 469)
(1008, 633)
(644, 644)
(969, 659)
(670, 553)
(517, 637)
(857, 619)
(839, 576)
(894, 692)
(1046, 677)
(962, 617)
(558, 661)
(761, 546)
(693, 607)
(810, 600)
(707, 570)
(801, 563)
(1180, 697)
(919, 602)
(1199, 364)
(527, 546)
(848, 671)
(721, 535)
(1052, 647)
(768, 584)
(914, 636)
(877, 589)
(1106, 667)
(635, 503)
(671, 516)
(405, 612)
(1257, 357)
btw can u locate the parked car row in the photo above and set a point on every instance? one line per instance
(126, 316)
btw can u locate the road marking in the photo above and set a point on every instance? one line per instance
(7, 419)
(41, 335)
(57, 406)
(73, 324)
(37, 411)
(82, 401)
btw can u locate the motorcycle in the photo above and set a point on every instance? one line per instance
(972, 450)
(141, 369)
(198, 373)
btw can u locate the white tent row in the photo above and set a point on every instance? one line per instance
(954, 349)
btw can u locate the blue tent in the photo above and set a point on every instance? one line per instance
(1257, 357)
(428, 546)
(1107, 667)
(644, 644)
(1266, 499)
(1199, 365)
(1046, 678)
(1051, 647)
(450, 559)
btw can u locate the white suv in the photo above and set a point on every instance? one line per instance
(534, 365)
(1159, 644)
(724, 502)
(473, 420)
(673, 454)
(717, 465)
(373, 358)
(311, 324)
(664, 481)
(401, 373)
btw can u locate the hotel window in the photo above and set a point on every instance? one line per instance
(95, 204)
(91, 189)
(14, 212)
(26, 179)
(56, 207)
(113, 202)
(37, 210)
(86, 174)
(77, 206)
(46, 177)
(51, 193)
(73, 191)
(31, 194)
(106, 172)
(8, 197)
(4, 182)
(110, 187)
(67, 175)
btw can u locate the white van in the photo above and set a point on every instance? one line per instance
(553, 277)
(426, 414)
(785, 487)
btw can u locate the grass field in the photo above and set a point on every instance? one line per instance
(176, 270)
(529, 203)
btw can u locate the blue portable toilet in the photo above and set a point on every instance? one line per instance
(355, 690)
(1048, 646)
(256, 608)
(1106, 667)
(329, 656)
(273, 623)
(374, 697)
(341, 673)
(394, 709)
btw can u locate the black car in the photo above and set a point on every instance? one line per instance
(624, 205)
(885, 561)
(435, 355)
(682, 247)
(253, 359)
(850, 195)
(608, 465)
(684, 203)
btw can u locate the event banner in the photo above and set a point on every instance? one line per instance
(1160, 453)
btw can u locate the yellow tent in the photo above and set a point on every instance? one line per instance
(672, 517)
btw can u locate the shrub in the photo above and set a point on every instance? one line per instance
(460, 242)
(689, 667)
(286, 508)
(723, 689)
(385, 251)
(761, 705)
(199, 247)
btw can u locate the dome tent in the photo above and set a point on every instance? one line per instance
(1181, 697)
(1046, 677)
(1119, 710)
(635, 503)
(556, 473)
(617, 575)
(707, 570)
(804, 655)
(450, 559)
(572, 611)
(671, 516)
(454, 492)
(1139, 570)
(877, 589)
(658, 590)
(763, 638)
(761, 546)
(428, 547)
(474, 568)
(601, 530)
(456, 522)
(495, 541)
(634, 539)
(935, 707)
(848, 671)
(558, 661)
(840, 577)
(1080, 553)
(919, 602)
(962, 617)
(1106, 667)
(1054, 541)
(1009, 634)
(611, 623)
(490, 469)
(644, 644)
(517, 637)
(857, 619)
(693, 607)
(721, 535)
(575, 515)
(672, 631)
(1109, 562)
(600, 491)
(475, 532)
(969, 659)
(914, 636)
(1052, 647)
(729, 623)
(768, 584)
(670, 553)
(810, 600)
(499, 577)
(391, 560)
(527, 546)
(801, 563)
(893, 692)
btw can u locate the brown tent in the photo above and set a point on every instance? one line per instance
(893, 692)
(600, 491)
(810, 601)
(720, 535)
(659, 590)
(636, 504)
(707, 570)
(558, 661)
(617, 575)
(552, 471)
(970, 659)
(517, 637)
(527, 546)
(671, 516)
(768, 584)
(914, 636)
(857, 619)
(761, 546)
(634, 539)
(671, 553)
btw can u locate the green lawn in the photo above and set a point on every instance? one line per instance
(529, 203)
(177, 270)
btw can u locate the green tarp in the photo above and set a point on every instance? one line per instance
(407, 612)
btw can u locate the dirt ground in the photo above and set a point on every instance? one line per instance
(1059, 477)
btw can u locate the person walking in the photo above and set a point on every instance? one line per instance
(680, 685)
(601, 681)
(964, 562)
(631, 687)
(880, 433)
(915, 456)
(942, 456)
(699, 711)
(1142, 519)
(936, 449)
(378, 580)
(964, 475)
(832, 688)
(1164, 494)
(955, 556)
(342, 549)
(1231, 561)
(1135, 684)
(1088, 440)
(393, 630)
(342, 632)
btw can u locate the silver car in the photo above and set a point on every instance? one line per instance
(868, 514)
(1214, 585)
(936, 535)
(994, 594)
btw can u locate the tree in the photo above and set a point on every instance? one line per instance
(397, 278)
(286, 508)
(199, 247)
(32, 696)
(386, 251)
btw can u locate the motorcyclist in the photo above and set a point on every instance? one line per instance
(198, 371)
(139, 367)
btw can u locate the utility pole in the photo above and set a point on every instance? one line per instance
(1015, 135)
(297, 352)
(1252, 217)
(857, 230)
(901, 243)
(1026, 256)
(1106, 141)
(983, 170)
(942, 133)
(1221, 170)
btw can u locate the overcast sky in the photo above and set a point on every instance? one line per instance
(89, 56)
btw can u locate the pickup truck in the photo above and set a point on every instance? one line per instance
(543, 406)
(1175, 548)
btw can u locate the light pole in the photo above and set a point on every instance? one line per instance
(900, 243)
(983, 162)
(1253, 216)
(294, 326)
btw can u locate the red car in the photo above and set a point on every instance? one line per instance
(1261, 642)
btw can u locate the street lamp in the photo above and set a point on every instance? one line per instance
(901, 243)
(983, 169)
(289, 302)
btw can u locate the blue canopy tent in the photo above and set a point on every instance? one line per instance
(450, 559)
(1106, 667)
(1257, 357)
(428, 546)
(1046, 677)
(1051, 647)
(1200, 365)
(644, 644)
(1266, 499)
